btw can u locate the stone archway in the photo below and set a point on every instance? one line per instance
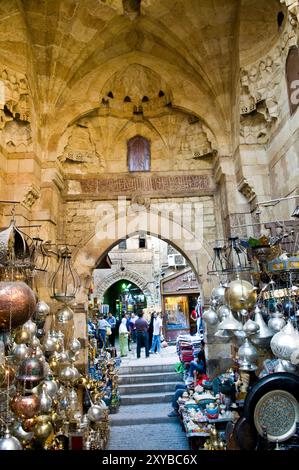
(129, 275)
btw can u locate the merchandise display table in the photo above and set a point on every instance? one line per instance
(197, 424)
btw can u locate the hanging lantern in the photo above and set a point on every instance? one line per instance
(218, 264)
(210, 317)
(230, 323)
(39, 255)
(42, 311)
(247, 352)
(240, 295)
(96, 412)
(21, 336)
(30, 326)
(276, 323)
(43, 428)
(52, 386)
(251, 327)
(14, 252)
(9, 442)
(64, 315)
(285, 342)
(264, 334)
(49, 344)
(236, 257)
(45, 400)
(31, 370)
(76, 345)
(223, 311)
(19, 432)
(17, 304)
(20, 352)
(25, 406)
(224, 335)
(218, 294)
(65, 282)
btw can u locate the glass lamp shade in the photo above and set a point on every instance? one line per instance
(65, 282)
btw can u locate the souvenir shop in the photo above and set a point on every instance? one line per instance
(254, 312)
(180, 298)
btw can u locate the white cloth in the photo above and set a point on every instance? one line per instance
(123, 327)
(157, 326)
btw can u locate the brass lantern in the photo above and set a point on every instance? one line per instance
(65, 282)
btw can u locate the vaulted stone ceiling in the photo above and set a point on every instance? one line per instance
(70, 48)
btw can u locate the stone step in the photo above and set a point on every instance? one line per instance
(141, 414)
(147, 388)
(144, 398)
(155, 368)
(148, 378)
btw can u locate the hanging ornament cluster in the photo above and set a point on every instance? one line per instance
(41, 389)
(257, 317)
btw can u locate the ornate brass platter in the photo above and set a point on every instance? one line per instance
(277, 412)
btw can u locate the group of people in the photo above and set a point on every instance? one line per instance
(132, 328)
(141, 332)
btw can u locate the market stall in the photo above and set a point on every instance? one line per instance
(180, 293)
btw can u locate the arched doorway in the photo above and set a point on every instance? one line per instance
(123, 224)
(123, 297)
(130, 276)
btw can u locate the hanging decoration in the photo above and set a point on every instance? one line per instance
(41, 388)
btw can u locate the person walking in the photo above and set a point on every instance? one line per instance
(123, 337)
(151, 329)
(157, 332)
(101, 331)
(142, 334)
(112, 322)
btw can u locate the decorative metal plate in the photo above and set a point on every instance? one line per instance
(277, 412)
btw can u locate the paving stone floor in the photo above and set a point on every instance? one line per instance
(147, 427)
(160, 436)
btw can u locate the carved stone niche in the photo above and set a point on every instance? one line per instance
(194, 142)
(254, 129)
(81, 146)
(131, 8)
(135, 89)
(14, 94)
(18, 137)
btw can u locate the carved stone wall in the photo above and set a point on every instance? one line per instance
(261, 91)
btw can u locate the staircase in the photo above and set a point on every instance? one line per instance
(146, 387)
(146, 393)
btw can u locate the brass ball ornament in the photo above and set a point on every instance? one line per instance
(42, 310)
(241, 295)
(22, 336)
(9, 442)
(25, 406)
(17, 304)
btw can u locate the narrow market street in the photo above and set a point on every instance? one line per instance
(146, 386)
